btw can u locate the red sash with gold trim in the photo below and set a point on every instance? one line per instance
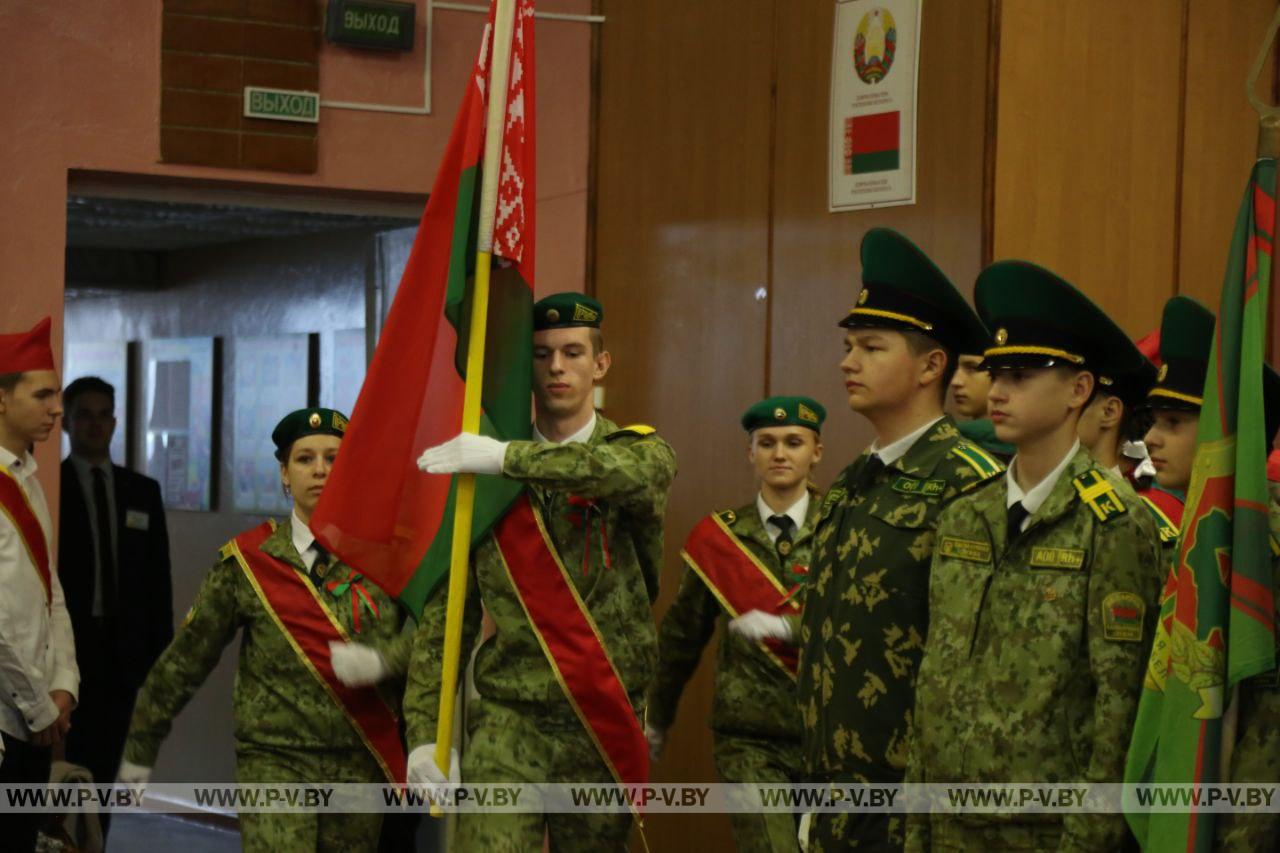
(740, 582)
(17, 508)
(309, 626)
(572, 642)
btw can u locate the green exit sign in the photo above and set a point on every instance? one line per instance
(281, 104)
(377, 24)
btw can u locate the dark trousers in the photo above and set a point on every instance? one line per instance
(100, 721)
(23, 764)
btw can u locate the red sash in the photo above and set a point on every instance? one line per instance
(740, 582)
(309, 626)
(17, 508)
(572, 642)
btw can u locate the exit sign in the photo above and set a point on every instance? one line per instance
(281, 104)
(377, 24)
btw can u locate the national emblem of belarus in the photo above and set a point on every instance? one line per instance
(874, 45)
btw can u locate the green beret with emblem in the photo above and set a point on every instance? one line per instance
(305, 422)
(785, 411)
(567, 310)
(903, 289)
(1039, 319)
(1186, 342)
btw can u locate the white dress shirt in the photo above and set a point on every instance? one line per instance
(84, 473)
(305, 541)
(578, 437)
(894, 451)
(797, 511)
(1035, 497)
(37, 648)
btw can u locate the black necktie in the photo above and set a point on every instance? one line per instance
(106, 554)
(873, 466)
(1014, 516)
(785, 526)
(321, 564)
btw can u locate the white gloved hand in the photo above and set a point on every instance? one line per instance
(357, 665)
(756, 625)
(424, 774)
(802, 831)
(465, 453)
(134, 777)
(657, 740)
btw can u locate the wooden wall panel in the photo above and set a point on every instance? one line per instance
(1086, 161)
(681, 238)
(816, 271)
(1220, 135)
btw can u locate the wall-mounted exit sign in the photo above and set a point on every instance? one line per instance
(376, 24)
(281, 104)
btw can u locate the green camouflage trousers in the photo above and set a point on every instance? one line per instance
(952, 835)
(516, 745)
(279, 832)
(834, 831)
(746, 759)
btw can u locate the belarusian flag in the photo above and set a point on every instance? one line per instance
(871, 143)
(379, 513)
(1216, 619)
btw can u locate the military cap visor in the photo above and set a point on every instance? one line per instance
(566, 311)
(904, 290)
(304, 422)
(785, 411)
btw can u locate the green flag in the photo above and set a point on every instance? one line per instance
(1216, 623)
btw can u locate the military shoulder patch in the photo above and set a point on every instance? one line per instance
(983, 463)
(1168, 530)
(1122, 614)
(641, 430)
(834, 496)
(1099, 495)
(973, 550)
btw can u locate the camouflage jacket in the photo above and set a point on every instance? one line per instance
(626, 473)
(866, 613)
(277, 700)
(754, 696)
(1037, 649)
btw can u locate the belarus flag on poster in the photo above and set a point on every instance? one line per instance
(871, 143)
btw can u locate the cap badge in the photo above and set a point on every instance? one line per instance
(314, 420)
(582, 312)
(1163, 372)
(1002, 336)
(862, 297)
(779, 414)
(553, 316)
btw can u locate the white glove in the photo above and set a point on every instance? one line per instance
(357, 665)
(756, 625)
(465, 453)
(134, 777)
(423, 773)
(802, 833)
(657, 740)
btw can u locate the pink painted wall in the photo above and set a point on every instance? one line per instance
(82, 91)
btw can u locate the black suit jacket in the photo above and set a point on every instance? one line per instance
(144, 615)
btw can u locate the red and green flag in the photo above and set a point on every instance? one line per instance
(871, 143)
(379, 513)
(1216, 623)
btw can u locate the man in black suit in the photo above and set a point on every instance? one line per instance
(118, 587)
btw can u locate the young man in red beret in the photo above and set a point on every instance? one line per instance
(38, 674)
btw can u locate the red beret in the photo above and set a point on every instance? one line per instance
(27, 350)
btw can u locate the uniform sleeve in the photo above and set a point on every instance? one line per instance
(918, 837)
(685, 630)
(1125, 578)
(393, 637)
(426, 661)
(66, 673)
(633, 472)
(186, 663)
(23, 689)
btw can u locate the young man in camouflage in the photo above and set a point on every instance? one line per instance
(601, 492)
(1186, 338)
(1042, 590)
(743, 564)
(865, 615)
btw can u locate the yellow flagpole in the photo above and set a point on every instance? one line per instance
(464, 499)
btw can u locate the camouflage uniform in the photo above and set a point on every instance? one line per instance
(754, 718)
(1035, 657)
(866, 617)
(523, 729)
(287, 727)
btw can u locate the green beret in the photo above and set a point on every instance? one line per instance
(785, 411)
(567, 310)
(903, 289)
(1040, 320)
(304, 422)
